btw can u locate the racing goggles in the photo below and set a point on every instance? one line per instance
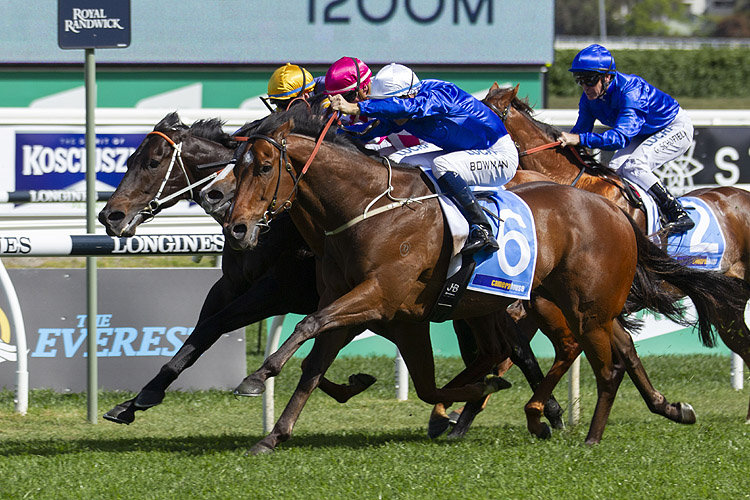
(587, 79)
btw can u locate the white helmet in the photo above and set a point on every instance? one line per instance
(394, 80)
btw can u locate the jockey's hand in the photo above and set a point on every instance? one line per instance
(338, 103)
(567, 139)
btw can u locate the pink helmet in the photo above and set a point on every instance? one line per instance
(347, 74)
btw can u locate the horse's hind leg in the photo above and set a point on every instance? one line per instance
(623, 343)
(736, 336)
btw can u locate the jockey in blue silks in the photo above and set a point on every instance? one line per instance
(648, 127)
(472, 145)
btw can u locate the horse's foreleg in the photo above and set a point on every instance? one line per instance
(216, 318)
(553, 324)
(357, 307)
(413, 341)
(321, 356)
(656, 402)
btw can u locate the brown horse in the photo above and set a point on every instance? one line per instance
(216, 197)
(563, 165)
(391, 268)
(276, 278)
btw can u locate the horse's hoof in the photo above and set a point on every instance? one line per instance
(259, 449)
(554, 414)
(148, 399)
(493, 383)
(453, 417)
(363, 380)
(250, 387)
(545, 433)
(437, 426)
(687, 414)
(121, 414)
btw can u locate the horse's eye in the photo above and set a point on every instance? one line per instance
(265, 168)
(153, 163)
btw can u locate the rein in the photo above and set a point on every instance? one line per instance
(150, 210)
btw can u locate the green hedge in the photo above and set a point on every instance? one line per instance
(705, 72)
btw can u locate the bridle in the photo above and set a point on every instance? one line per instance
(150, 210)
(284, 164)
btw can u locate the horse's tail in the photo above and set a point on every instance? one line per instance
(716, 297)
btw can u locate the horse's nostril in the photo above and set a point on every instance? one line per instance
(239, 231)
(116, 216)
(215, 195)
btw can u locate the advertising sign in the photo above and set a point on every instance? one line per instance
(488, 32)
(144, 317)
(93, 24)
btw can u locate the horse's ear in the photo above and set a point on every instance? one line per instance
(284, 130)
(495, 86)
(515, 90)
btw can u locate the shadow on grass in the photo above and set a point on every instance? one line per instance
(201, 445)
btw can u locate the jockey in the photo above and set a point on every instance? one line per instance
(341, 77)
(286, 84)
(475, 148)
(649, 128)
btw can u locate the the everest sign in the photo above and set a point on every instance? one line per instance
(93, 24)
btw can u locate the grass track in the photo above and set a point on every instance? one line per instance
(375, 447)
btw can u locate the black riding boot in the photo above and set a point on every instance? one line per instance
(480, 230)
(678, 221)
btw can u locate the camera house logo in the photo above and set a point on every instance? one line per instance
(7, 351)
(88, 19)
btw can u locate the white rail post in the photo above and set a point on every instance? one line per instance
(272, 344)
(402, 378)
(19, 334)
(574, 392)
(738, 366)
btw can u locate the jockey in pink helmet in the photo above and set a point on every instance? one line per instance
(350, 78)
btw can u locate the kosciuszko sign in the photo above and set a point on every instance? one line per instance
(93, 24)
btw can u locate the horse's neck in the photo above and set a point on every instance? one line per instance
(198, 151)
(549, 162)
(339, 185)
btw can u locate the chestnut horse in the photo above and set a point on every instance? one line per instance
(563, 165)
(390, 268)
(277, 277)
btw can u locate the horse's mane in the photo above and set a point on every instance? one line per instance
(209, 128)
(308, 122)
(523, 106)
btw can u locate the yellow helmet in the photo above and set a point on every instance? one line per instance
(290, 81)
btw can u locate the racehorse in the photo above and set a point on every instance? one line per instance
(216, 197)
(255, 284)
(391, 268)
(563, 165)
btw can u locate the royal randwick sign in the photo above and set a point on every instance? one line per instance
(93, 24)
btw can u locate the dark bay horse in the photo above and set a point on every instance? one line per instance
(277, 277)
(391, 268)
(731, 205)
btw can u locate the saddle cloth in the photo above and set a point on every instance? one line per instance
(703, 246)
(509, 271)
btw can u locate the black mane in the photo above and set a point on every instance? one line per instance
(210, 128)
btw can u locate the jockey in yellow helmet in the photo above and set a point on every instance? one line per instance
(286, 84)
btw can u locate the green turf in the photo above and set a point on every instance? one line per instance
(192, 446)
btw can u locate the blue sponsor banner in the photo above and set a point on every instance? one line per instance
(58, 160)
